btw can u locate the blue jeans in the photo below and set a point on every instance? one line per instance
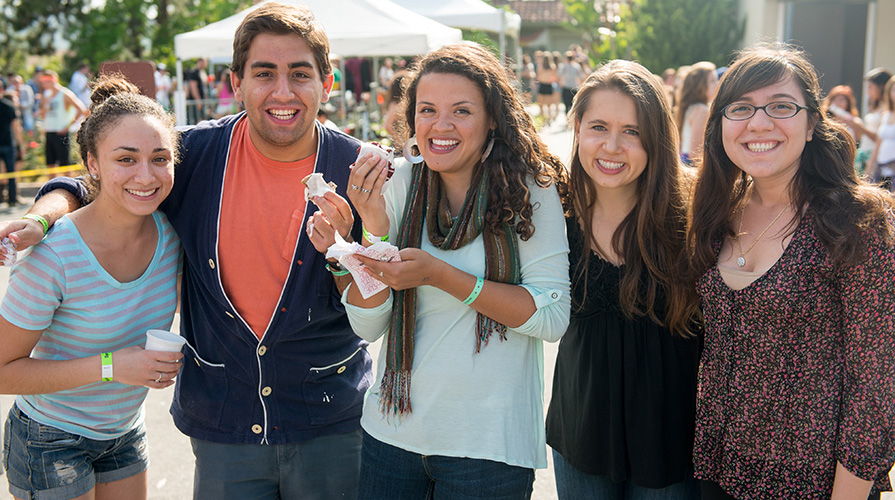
(323, 468)
(390, 473)
(49, 463)
(572, 484)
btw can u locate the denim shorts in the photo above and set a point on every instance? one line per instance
(54, 464)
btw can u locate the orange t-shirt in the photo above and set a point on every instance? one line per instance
(259, 228)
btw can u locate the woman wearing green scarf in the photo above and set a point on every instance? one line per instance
(457, 411)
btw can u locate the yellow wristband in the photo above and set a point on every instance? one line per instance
(107, 366)
(38, 218)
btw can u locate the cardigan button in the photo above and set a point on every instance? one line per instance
(262, 350)
(211, 263)
(257, 429)
(341, 369)
(266, 391)
(554, 295)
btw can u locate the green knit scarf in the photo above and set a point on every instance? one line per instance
(501, 264)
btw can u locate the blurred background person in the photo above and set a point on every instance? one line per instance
(163, 85)
(60, 109)
(882, 161)
(875, 83)
(546, 77)
(696, 92)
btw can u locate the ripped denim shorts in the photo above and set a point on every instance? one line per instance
(44, 462)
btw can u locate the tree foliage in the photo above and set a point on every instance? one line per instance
(111, 30)
(673, 33)
(658, 33)
(602, 24)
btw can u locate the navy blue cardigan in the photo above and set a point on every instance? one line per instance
(307, 375)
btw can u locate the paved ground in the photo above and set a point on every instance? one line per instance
(171, 468)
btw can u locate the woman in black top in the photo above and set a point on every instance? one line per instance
(622, 413)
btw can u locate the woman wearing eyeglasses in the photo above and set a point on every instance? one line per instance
(796, 270)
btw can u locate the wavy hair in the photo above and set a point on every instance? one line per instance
(694, 90)
(825, 181)
(518, 151)
(652, 237)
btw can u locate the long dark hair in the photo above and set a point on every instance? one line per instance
(651, 239)
(844, 206)
(518, 151)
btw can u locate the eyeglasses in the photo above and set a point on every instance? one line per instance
(777, 110)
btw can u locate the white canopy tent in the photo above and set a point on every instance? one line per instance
(469, 14)
(363, 28)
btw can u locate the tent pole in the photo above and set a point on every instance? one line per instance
(180, 97)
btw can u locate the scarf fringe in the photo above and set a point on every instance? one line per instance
(394, 392)
(484, 327)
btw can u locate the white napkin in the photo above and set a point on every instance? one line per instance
(345, 253)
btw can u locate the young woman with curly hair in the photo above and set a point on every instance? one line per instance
(624, 391)
(796, 270)
(483, 280)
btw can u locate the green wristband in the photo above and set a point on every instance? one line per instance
(337, 272)
(107, 366)
(38, 218)
(374, 239)
(479, 283)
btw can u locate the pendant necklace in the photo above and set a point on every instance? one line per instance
(741, 260)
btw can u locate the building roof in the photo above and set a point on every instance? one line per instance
(537, 11)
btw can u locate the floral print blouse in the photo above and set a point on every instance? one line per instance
(798, 373)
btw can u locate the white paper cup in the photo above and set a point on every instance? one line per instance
(163, 340)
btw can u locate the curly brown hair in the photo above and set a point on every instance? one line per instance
(518, 151)
(652, 238)
(826, 183)
(113, 98)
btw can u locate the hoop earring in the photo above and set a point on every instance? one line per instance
(408, 151)
(487, 152)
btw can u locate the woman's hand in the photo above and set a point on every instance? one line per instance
(153, 369)
(416, 268)
(334, 215)
(366, 181)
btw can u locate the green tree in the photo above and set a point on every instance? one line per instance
(673, 33)
(113, 30)
(602, 24)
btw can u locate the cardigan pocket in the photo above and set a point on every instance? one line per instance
(334, 393)
(207, 387)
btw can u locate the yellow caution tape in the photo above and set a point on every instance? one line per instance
(41, 171)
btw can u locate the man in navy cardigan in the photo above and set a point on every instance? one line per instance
(272, 412)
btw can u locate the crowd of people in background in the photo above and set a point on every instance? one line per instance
(714, 259)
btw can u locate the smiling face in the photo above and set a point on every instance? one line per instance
(281, 90)
(451, 123)
(765, 147)
(134, 162)
(609, 145)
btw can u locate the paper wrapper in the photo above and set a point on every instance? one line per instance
(381, 151)
(10, 248)
(316, 186)
(345, 253)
